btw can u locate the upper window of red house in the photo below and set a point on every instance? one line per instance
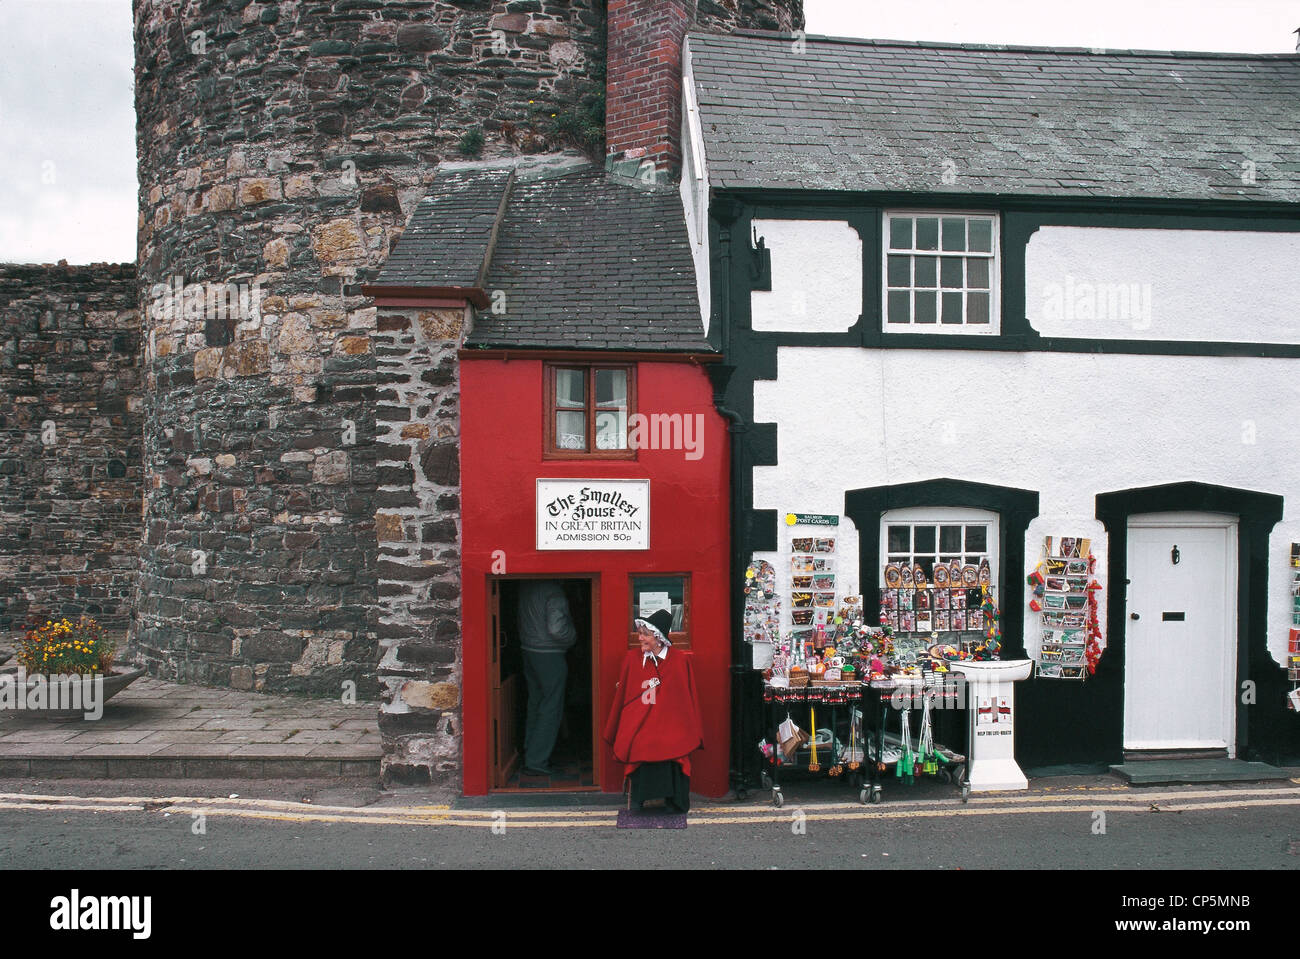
(588, 406)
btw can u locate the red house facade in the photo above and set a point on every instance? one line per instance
(504, 453)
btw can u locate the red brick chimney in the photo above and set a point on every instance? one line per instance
(643, 83)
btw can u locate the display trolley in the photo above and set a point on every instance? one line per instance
(908, 752)
(836, 746)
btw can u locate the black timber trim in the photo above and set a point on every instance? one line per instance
(1019, 218)
(1266, 729)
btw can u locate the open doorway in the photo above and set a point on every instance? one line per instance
(572, 759)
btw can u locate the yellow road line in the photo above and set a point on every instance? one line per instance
(528, 820)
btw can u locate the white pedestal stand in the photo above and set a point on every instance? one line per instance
(991, 699)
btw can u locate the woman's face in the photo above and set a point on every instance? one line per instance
(649, 639)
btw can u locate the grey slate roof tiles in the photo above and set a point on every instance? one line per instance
(587, 262)
(868, 115)
(446, 241)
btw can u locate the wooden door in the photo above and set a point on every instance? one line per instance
(1180, 638)
(504, 694)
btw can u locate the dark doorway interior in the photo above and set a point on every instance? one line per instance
(573, 757)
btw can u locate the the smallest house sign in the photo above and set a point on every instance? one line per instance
(593, 514)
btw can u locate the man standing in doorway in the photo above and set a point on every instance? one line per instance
(547, 633)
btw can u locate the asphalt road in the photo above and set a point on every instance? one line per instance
(158, 826)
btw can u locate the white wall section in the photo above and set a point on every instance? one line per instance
(816, 277)
(1143, 284)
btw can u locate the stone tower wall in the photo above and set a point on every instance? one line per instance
(70, 436)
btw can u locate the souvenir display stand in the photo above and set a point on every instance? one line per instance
(854, 701)
(913, 702)
(836, 748)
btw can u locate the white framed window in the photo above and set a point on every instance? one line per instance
(932, 534)
(941, 272)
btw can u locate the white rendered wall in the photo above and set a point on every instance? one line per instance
(1067, 425)
(816, 277)
(1115, 283)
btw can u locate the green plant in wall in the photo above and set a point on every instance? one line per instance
(471, 142)
(577, 120)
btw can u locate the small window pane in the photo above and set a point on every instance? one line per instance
(900, 539)
(927, 271)
(611, 429)
(977, 273)
(954, 233)
(900, 271)
(927, 233)
(927, 564)
(570, 430)
(611, 388)
(952, 307)
(981, 236)
(900, 307)
(950, 272)
(926, 308)
(924, 539)
(977, 308)
(977, 538)
(570, 388)
(950, 538)
(900, 233)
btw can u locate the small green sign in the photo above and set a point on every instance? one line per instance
(811, 519)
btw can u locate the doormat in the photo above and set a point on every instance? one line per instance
(650, 819)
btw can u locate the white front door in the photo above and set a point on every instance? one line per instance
(1181, 632)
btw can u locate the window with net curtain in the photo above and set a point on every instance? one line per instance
(589, 408)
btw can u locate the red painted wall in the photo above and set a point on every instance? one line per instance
(501, 459)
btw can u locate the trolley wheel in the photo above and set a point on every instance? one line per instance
(965, 792)
(863, 796)
(777, 799)
(766, 780)
(876, 794)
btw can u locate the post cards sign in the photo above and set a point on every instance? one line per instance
(593, 514)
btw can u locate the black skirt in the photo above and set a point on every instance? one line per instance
(663, 780)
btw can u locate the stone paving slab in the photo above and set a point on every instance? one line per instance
(156, 729)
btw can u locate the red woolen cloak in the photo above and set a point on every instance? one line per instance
(649, 723)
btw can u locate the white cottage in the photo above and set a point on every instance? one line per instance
(976, 296)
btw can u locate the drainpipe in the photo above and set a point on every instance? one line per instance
(720, 376)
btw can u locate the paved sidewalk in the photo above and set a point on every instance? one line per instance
(155, 729)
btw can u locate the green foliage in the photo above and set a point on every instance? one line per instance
(471, 142)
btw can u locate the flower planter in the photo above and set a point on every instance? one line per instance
(114, 683)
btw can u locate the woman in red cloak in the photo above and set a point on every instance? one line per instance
(654, 724)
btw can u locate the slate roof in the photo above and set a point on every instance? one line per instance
(588, 262)
(446, 241)
(886, 115)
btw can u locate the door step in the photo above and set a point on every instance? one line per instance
(1150, 772)
(1143, 755)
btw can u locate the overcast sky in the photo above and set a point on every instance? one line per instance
(67, 128)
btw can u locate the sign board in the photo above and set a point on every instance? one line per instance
(811, 519)
(593, 514)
